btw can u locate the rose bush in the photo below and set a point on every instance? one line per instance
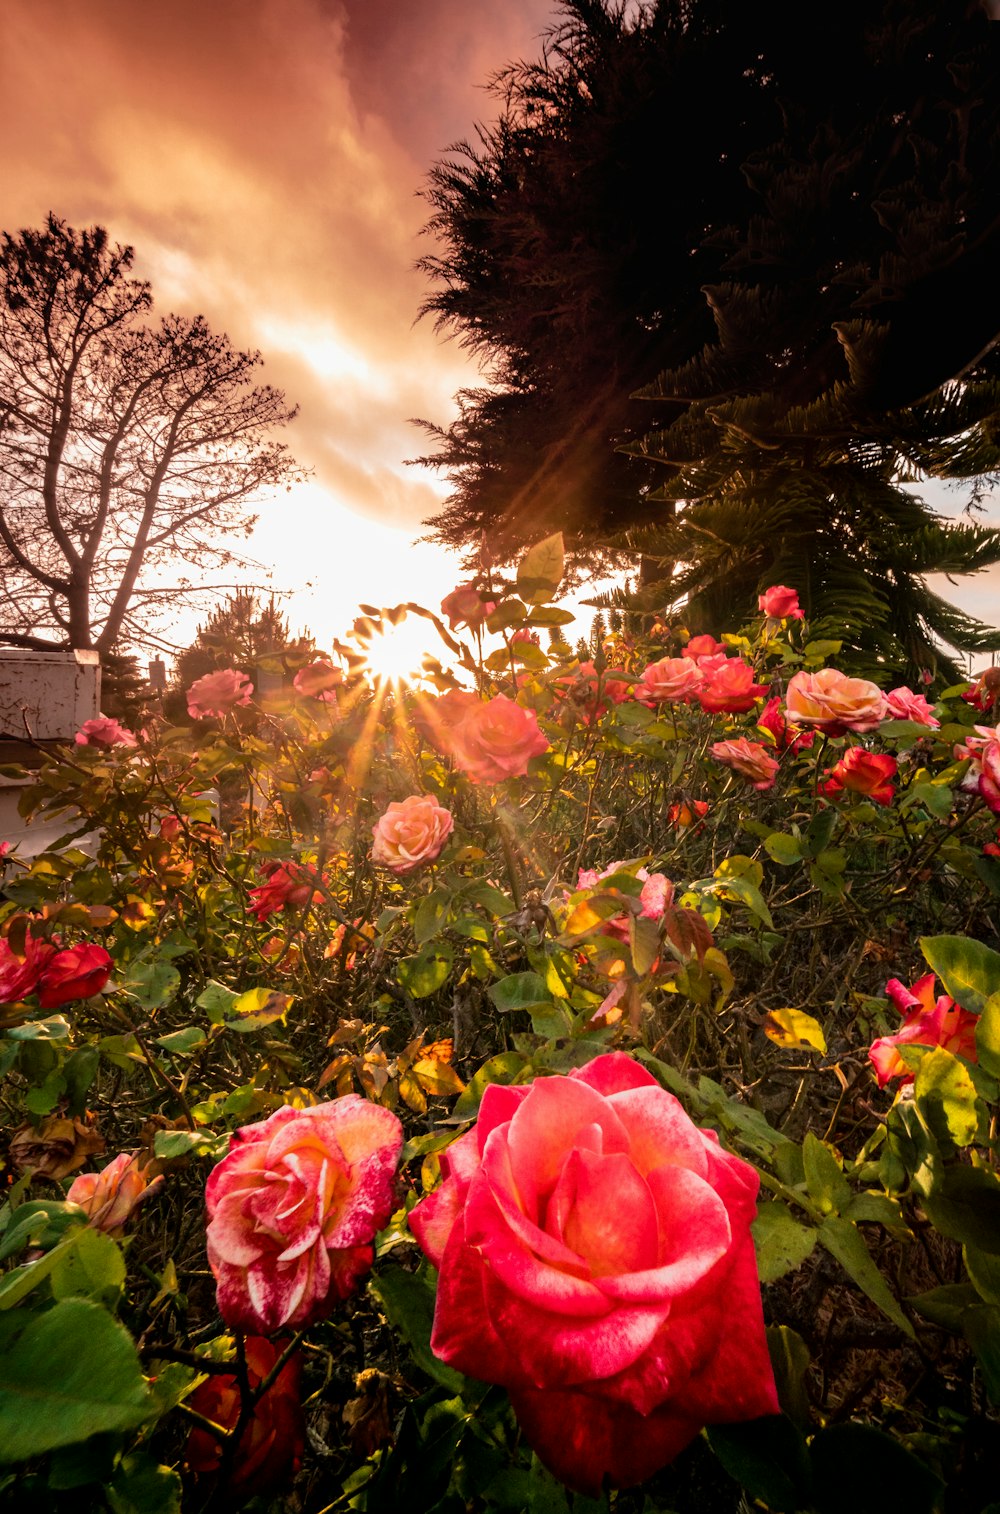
(293, 1208)
(595, 1257)
(411, 833)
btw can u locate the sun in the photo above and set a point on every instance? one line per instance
(395, 653)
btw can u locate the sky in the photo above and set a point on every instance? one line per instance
(264, 158)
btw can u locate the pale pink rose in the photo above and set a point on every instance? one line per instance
(672, 679)
(104, 732)
(496, 739)
(590, 877)
(410, 833)
(834, 703)
(903, 704)
(110, 1196)
(749, 758)
(218, 693)
(320, 680)
(293, 1210)
(441, 718)
(465, 606)
(729, 687)
(780, 603)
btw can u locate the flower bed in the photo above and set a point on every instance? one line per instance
(516, 1098)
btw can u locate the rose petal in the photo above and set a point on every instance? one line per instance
(659, 1130)
(544, 1128)
(605, 1212)
(694, 1235)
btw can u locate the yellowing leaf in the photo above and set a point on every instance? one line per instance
(795, 1029)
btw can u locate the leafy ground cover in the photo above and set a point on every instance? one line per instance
(559, 1085)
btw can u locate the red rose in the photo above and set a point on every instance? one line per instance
(76, 972)
(863, 772)
(780, 603)
(926, 1022)
(595, 1258)
(729, 687)
(270, 1448)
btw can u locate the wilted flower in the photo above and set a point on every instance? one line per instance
(289, 884)
(749, 758)
(218, 693)
(55, 1147)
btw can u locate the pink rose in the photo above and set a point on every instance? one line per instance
(111, 1195)
(729, 687)
(104, 732)
(288, 884)
(75, 972)
(411, 833)
(704, 646)
(320, 680)
(218, 693)
(595, 1258)
(673, 679)
(984, 693)
(293, 1210)
(983, 777)
(834, 703)
(496, 739)
(862, 772)
(749, 758)
(780, 603)
(903, 704)
(465, 606)
(926, 1022)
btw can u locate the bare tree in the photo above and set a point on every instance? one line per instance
(124, 446)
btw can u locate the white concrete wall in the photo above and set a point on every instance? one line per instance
(46, 696)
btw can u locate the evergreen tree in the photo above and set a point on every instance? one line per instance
(244, 632)
(800, 241)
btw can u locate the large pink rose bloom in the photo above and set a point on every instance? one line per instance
(218, 693)
(595, 1257)
(496, 739)
(672, 679)
(410, 833)
(834, 703)
(293, 1210)
(104, 732)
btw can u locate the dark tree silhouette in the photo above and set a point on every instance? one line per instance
(789, 218)
(124, 446)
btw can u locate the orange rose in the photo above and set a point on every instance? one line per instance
(834, 703)
(411, 833)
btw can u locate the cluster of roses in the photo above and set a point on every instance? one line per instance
(585, 1216)
(56, 974)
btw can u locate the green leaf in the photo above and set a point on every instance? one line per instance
(786, 850)
(540, 571)
(524, 991)
(431, 916)
(969, 970)
(790, 1362)
(988, 1035)
(826, 1184)
(984, 1270)
(964, 1204)
(946, 1097)
(503, 1068)
(768, 1458)
(844, 1241)
(782, 1243)
(183, 1042)
(854, 1466)
(93, 1268)
(141, 1486)
(946, 1306)
(424, 974)
(258, 1008)
(407, 1299)
(981, 1325)
(153, 983)
(55, 1028)
(71, 1373)
(217, 1001)
(168, 1144)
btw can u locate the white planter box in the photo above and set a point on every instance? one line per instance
(46, 696)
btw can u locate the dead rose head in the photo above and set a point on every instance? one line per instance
(595, 1258)
(780, 603)
(411, 833)
(218, 693)
(111, 1196)
(834, 703)
(55, 1147)
(104, 732)
(927, 1021)
(293, 1210)
(869, 774)
(749, 758)
(271, 1445)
